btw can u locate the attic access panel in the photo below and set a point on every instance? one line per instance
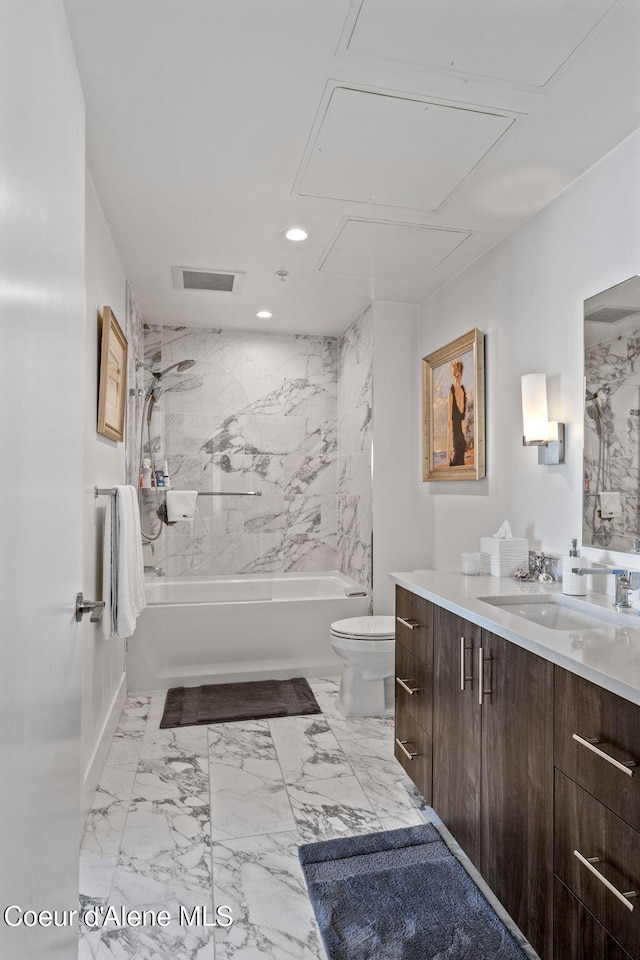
(517, 41)
(382, 249)
(396, 151)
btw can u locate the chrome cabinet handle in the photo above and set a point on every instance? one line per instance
(404, 685)
(407, 753)
(618, 764)
(588, 863)
(411, 624)
(95, 607)
(463, 677)
(482, 693)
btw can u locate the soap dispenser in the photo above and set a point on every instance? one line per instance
(573, 584)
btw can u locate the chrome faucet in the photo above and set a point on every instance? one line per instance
(626, 581)
(159, 572)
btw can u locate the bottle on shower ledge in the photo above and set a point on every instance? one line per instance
(146, 473)
(166, 482)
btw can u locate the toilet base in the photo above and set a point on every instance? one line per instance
(365, 693)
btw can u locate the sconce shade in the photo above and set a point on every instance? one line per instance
(535, 416)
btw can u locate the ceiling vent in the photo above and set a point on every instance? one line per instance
(610, 314)
(218, 281)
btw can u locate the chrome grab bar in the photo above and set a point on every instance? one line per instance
(588, 863)
(618, 764)
(407, 753)
(404, 685)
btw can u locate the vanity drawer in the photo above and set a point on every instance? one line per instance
(576, 933)
(413, 675)
(414, 625)
(585, 829)
(413, 748)
(585, 710)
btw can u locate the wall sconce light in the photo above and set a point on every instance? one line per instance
(538, 431)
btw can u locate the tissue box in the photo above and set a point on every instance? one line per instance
(501, 558)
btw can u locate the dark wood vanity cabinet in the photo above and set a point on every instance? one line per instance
(457, 731)
(493, 764)
(414, 688)
(597, 816)
(536, 773)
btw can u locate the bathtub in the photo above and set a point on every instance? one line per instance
(199, 630)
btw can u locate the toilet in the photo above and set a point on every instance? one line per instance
(366, 646)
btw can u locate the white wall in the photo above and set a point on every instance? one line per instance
(526, 295)
(103, 679)
(396, 453)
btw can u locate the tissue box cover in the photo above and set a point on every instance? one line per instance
(501, 558)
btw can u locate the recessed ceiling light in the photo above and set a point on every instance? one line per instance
(264, 314)
(296, 234)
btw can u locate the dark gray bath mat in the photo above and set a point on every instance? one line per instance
(255, 700)
(401, 895)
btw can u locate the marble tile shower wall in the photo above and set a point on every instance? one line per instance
(355, 449)
(258, 412)
(612, 454)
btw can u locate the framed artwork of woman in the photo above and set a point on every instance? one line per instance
(453, 410)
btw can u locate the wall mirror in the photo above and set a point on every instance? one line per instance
(611, 499)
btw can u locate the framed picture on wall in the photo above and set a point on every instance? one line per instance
(112, 390)
(453, 410)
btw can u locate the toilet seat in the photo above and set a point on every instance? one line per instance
(364, 628)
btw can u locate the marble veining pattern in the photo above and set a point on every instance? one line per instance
(257, 412)
(354, 446)
(211, 816)
(612, 440)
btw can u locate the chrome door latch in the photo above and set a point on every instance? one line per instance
(95, 607)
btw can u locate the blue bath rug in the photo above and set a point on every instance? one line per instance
(248, 700)
(400, 895)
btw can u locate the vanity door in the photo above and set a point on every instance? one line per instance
(517, 784)
(456, 729)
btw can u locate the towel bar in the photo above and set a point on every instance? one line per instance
(110, 491)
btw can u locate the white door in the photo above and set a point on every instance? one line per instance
(42, 183)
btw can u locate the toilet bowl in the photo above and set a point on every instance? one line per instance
(366, 646)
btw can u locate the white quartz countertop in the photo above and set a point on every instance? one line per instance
(608, 655)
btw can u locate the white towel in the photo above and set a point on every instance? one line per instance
(181, 505)
(610, 505)
(123, 565)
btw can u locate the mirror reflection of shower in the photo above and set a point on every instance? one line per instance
(596, 407)
(151, 397)
(612, 418)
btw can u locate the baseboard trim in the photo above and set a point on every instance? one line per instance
(95, 765)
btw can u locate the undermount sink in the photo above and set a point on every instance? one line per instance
(550, 610)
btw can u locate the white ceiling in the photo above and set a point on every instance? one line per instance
(406, 136)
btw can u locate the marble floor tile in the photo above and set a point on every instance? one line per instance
(382, 778)
(177, 743)
(325, 809)
(96, 875)
(261, 880)
(307, 749)
(165, 855)
(124, 752)
(156, 943)
(248, 793)
(134, 716)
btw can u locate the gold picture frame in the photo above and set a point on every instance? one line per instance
(453, 410)
(112, 390)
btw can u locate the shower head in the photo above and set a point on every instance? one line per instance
(180, 367)
(594, 411)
